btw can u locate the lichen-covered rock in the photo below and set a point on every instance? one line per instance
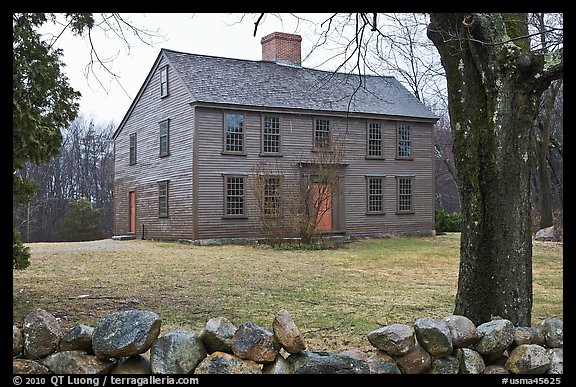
(529, 335)
(471, 362)
(382, 363)
(78, 338)
(17, 341)
(495, 369)
(395, 339)
(279, 366)
(287, 333)
(528, 359)
(553, 329)
(27, 367)
(124, 334)
(217, 335)
(434, 336)
(312, 362)
(252, 342)
(177, 352)
(495, 336)
(556, 356)
(133, 365)
(446, 365)
(415, 361)
(42, 333)
(77, 362)
(224, 363)
(462, 330)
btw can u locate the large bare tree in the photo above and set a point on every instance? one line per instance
(495, 82)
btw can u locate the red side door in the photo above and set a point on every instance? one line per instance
(322, 201)
(132, 211)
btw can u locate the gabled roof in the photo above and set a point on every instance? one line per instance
(267, 84)
(211, 79)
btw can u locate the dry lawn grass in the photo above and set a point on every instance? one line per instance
(335, 296)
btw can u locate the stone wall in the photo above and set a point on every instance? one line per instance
(129, 342)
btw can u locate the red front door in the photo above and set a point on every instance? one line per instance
(322, 201)
(132, 211)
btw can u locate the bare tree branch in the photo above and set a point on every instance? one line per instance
(257, 22)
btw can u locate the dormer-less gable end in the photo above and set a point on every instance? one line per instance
(167, 76)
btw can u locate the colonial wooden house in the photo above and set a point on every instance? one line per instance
(186, 150)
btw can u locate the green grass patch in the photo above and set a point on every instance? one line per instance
(335, 296)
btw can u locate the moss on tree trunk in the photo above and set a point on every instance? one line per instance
(494, 85)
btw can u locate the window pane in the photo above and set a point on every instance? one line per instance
(375, 195)
(375, 140)
(234, 133)
(405, 194)
(164, 138)
(235, 196)
(164, 81)
(272, 196)
(271, 135)
(404, 145)
(133, 148)
(163, 198)
(322, 134)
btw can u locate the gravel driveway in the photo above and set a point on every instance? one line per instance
(104, 244)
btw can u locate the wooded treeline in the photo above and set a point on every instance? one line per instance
(84, 169)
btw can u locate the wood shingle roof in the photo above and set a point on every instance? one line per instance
(267, 84)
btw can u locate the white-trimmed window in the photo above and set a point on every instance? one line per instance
(164, 81)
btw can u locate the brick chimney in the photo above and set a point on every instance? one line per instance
(282, 48)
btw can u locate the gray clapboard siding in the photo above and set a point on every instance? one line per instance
(296, 145)
(421, 166)
(143, 177)
(195, 166)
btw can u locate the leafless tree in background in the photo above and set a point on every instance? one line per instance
(84, 168)
(547, 135)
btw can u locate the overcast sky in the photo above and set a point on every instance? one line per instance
(208, 34)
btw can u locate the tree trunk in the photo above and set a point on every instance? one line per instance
(543, 138)
(544, 189)
(494, 86)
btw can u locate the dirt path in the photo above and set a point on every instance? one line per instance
(104, 244)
